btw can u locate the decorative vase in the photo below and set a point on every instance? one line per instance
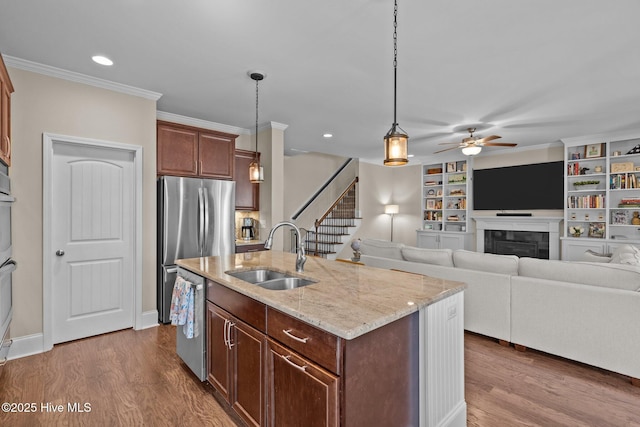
(577, 234)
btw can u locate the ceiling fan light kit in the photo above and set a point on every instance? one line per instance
(471, 150)
(396, 140)
(473, 145)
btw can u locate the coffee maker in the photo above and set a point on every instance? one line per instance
(248, 228)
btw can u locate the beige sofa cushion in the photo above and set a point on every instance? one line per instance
(381, 248)
(626, 254)
(607, 275)
(442, 257)
(491, 263)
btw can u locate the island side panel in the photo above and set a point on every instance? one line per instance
(380, 380)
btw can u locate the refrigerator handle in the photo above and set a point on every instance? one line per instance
(206, 221)
(200, 221)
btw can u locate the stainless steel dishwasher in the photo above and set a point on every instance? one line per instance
(192, 350)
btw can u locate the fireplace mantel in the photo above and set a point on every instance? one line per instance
(550, 225)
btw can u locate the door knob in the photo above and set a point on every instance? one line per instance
(59, 252)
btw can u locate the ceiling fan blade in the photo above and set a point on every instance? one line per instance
(488, 138)
(446, 149)
(499, 144)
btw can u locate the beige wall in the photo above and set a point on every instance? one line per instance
(304, 175)
(45, 104)
(381, 185)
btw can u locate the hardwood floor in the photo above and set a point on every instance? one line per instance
(505, 387)
(132, 378)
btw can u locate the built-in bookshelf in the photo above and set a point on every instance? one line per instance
(602, 193)
(445, 204)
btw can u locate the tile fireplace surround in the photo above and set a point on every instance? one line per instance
(542, 224)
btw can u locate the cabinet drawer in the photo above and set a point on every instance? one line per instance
(319, 346)
(244, 308)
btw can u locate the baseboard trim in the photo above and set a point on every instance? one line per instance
(149, 319)
(27, 345)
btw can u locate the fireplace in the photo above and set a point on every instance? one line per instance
(533, 244)
(531, 236)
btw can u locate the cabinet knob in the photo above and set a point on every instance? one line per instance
(60, 252)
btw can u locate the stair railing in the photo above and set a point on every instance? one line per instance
(342, 213)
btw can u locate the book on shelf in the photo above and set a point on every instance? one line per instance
(586, 202)
(629, 203)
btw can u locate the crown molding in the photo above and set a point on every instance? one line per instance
(199, 123)
(72, 76)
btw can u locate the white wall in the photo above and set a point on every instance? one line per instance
(46, 104)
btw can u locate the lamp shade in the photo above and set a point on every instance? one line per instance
(391, 209)
(471, 150)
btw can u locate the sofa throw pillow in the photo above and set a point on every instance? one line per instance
(491, 263)
(381, 248)
(428, 256)
(591, 256)
(626, 254)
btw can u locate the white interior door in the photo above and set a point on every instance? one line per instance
(92, 240)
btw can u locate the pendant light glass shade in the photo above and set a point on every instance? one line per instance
(395, 147)
(396, 140)
(256, 173)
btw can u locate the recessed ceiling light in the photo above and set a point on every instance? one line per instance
(102, 60)
(327, 135)
(410, 155)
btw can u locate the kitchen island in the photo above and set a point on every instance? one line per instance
(360, 346)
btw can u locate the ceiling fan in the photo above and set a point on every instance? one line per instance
(473, 145)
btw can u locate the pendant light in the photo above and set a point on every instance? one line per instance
(395, 141)
(256, 174)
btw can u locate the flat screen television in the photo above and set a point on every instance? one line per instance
(534, 186)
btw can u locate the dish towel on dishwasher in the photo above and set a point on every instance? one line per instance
(183, 307)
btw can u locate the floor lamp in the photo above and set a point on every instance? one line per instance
(391, 210)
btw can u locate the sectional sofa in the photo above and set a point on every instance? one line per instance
(585, 311)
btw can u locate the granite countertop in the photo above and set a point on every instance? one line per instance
(348, 299)
(242, 242)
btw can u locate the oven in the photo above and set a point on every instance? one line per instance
(7, 264)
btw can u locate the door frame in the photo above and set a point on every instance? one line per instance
(48, 142)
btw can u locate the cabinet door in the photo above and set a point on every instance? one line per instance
(452, 241)
(428, 240)
(248, 395)
(177, 151)
(219, 363)
(216, 155)
(300, 392)
(247, 194)
(573, 249)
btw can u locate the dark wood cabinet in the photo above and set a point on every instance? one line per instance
(301, 393)
(188, 151)
(274, 369)
(247, 194)
(236, 353)
(6, 89)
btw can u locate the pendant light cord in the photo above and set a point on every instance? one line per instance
(256, 153)
(395, 59)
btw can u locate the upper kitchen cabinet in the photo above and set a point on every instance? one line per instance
(6, 89)
(189, 151)
(247, 194)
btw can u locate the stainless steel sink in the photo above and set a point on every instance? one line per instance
(256, 276)
(271, 279)
(285, 283)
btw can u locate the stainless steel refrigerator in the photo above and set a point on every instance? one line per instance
(196, 217)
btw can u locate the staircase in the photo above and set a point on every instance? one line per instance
(335, 228)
